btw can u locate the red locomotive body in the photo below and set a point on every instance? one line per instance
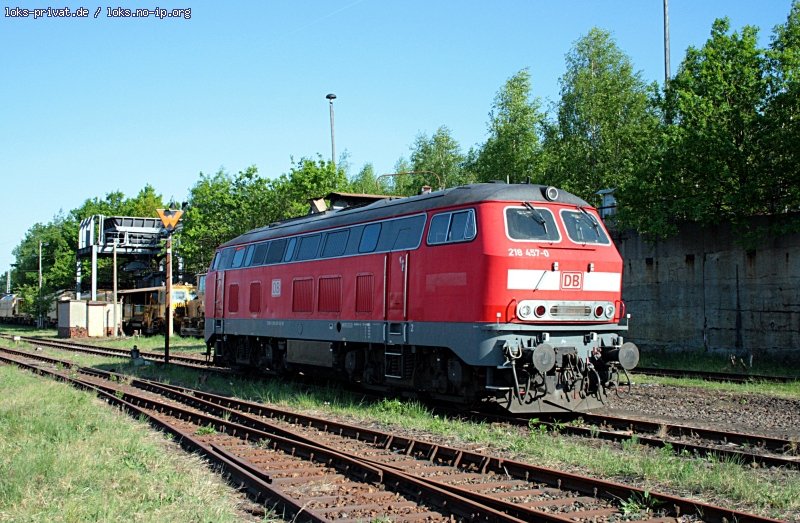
(508, 294)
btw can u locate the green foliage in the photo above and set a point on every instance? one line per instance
(436, 161)
(780, 164)
(606, 126)
(307, 179)
(206, 430)
(365, 182)
(222, 206)
(715, 103)
(513, 150)
(639, 504)
(213, 214)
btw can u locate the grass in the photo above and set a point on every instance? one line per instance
(704, 361)
(717, 362)
(790, 390)
(66, 457)
(145, 343)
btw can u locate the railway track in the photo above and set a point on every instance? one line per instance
(330, 471)
(713, 376)
(86, 348)
(749, 449)
(743, 448)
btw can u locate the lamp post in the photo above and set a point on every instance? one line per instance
(666, 43)
(331, 97)
(40, 320)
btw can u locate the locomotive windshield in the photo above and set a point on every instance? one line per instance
(529, 223)
(582, 227)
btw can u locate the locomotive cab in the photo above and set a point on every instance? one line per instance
(561, 304)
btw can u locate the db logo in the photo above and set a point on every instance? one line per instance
(572, 280)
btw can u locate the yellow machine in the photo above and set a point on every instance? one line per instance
(143, 309)
(194, 319)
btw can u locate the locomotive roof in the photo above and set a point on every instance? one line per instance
(390, 208)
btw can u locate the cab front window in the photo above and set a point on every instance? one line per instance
(583, 227)
(528, 223)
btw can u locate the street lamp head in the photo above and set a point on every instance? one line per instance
(331, 97)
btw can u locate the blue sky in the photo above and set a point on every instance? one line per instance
(94, 105)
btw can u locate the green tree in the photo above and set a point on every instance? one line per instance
(365, 182)
(513, 150)
(305, 180)
(438, 162)
(606, 129)
(209, 219)
(714, 107)
(143, 204)
(222, 206)
(780, 163)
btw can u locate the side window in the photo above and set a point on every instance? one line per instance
(354, 240)
(369, 238)
(248, 256)
(238, 257)
(409, 231)
(215, 261)
(290, 249)
(462, 226)
(309, 245)
(437, 233)
(402, 239)
(452, 227)
(335, 243)
(226, 258)
(276, 251)
(260, 253)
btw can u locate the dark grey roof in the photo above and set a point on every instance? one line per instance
(457, 196)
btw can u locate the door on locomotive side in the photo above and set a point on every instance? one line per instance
(402, 238)
(397, 269)
(219, 294)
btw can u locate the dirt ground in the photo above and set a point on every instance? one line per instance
(749, 413)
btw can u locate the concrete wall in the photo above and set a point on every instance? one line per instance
(701, 290)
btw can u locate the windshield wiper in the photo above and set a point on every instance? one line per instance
(536, 215)
(592, 220)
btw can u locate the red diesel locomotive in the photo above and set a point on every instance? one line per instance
(486, 293)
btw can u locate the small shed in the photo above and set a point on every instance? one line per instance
(72, 319)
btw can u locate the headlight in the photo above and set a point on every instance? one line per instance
(525, 311)
(609, 311)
